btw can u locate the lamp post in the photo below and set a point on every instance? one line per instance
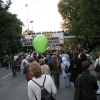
(27, 17)
(32, 24)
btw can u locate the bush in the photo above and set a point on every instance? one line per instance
(94, 55)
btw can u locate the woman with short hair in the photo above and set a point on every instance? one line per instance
(44, 67)
(34, 91)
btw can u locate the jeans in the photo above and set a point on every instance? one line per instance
(14, 70)
(98, 91)
(7, 66)
(18, 69)
(56, 78)
(67, 81)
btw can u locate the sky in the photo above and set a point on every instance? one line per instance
(43, 13)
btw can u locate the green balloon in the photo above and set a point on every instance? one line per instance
(40, 43)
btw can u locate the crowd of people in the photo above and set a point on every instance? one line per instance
(52, 64)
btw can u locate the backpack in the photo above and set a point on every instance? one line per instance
(14, 64)
(75, 64)
(45, 95)
(66, 69)
(28, 76)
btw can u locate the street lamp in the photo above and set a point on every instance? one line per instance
(27, 17)
(31, 23)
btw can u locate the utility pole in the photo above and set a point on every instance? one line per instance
(27, 17)
(32, 24)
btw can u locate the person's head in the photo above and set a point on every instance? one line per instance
(41, 62)
(31, 59)
(55, 59)
(17, 59)
(35, 70)
(81, 51)
(99, 54)
(64, 59)
(66, 52)
(48, 56)
(85, 50)
(83, 56)
(86, 65)
(75, 53)
(57, 54)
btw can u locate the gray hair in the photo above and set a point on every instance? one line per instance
(64, 59)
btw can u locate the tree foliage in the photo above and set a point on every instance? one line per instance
(83, 18)
(10, 29)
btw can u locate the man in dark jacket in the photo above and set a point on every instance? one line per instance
(86, 84)
(13, 65)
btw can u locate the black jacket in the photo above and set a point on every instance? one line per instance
(75, 71)
(88, 85)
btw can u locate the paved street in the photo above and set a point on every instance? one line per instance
(16, 88)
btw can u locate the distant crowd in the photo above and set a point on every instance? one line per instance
(74, 66)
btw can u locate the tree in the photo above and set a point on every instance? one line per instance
(10, 29)
(67, 10)
(89, 25)
(83, 18)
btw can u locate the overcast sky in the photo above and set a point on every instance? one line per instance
(44, 13)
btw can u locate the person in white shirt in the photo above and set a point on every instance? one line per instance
(98, 73)
(23, 62)
(15, 57)
(27, 57)
(33, 89)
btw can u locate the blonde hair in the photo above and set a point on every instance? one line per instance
(41, 62)
(35, 70)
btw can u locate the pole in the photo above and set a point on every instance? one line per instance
(27, 17)
(32, 24)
